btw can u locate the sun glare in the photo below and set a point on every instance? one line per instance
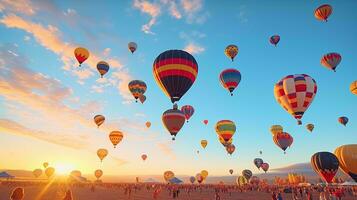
(64, 168)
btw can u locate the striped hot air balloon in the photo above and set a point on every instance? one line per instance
(265, 167)
(175, 71)
(204, 143)
(247, 174)
(258, 162)
(274, 129)
(274, 39)
(353, 87)
(230, 79)
(325, 164)
(323, 12)
(225, 129)
(103, 68)
(102, 153)
(231, 51)
(99, 120)
(188, 111)
(331, 60)
(81, 54)
(241, 180)
(230, 148)
(295, 94)
(116, 137)
(283, 140)
(223, 142)
(173, 120)
(98, 173)
(137, 88)
(347, 157)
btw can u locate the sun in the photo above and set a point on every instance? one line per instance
(64, 168)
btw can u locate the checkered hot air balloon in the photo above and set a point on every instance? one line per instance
(295, 94)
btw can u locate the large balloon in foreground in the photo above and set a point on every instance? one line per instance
(132, 46)
(283, 140)
(331, 60)
(168, 175)
(325, 164)
(323, 12)
(37, 172)
(144, 156)
(137, 88)
(49, 172)
(343, 120)
(225, 129)
(188, 111)
(274, 129)
(347, 157)
(241, 180)
(81, 54)
(230, 149)
(265, 167)
(247, 174)
(173, 120)
(116, 137)
(295, 93)
(99, 120)
(45, 165)
(102, 153)
(231, 51)
(175, 71)
(192, 179)
(204, 143)
(230, 79)
(274, 39)
(258, 162)
(353, 87)
(98, 173)
(103, 68)
(142, 98)
(231, 171)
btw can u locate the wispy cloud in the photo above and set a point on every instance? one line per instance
(194, 48)
(242, 14)
(151, 9)
(22, 7)
(166, 149)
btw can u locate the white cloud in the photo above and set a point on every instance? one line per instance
(194, 48)
(148, 8)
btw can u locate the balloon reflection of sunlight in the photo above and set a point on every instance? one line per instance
(63, 168)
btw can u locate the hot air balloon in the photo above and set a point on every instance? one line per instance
(231, 171)
(241, 180)
(99, 120)
(347, 158)
(260, 152)
(98, 173)
(142, 98)
(274, 129)
(192, 179)
(343, 120)
(331, 60)
(295, 93)
(265, 167)
(81, 55)
(323, 12)
(168, 175)
(188, 111)
(199, 178)
(353, 87)
(144, 156)
(37, 172)
(230, 79)
(204, 174)
(205, 121)
(49, 172)
(116, 137)
(175, 71)
(45, 165)
(173, 120)
(225, 129)
(204, 143)
(325, 164)
(103, 68)
(254, 180)
(283, 140)
(223, 142)
(258, 162)
(230, 149)
(148, 124)
(247, 174)
(132, 46)
(231, 51)
(274, 39)
(102, 153)
(137, 88)
(310, 127)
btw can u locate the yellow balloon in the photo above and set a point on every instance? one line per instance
(347, 157)
(224, 143)
(204, 174)
(37, 172)
(353, 87)
(274, 129)
(168, 175)
(102, 153)
(45, 165)
(81, 54)
(49, 172)
(116, 137)
(204, 143)
(98, 173)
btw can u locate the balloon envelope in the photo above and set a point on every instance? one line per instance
(231, 51)
(99, 120)
(102, 153)
(49, 171)
(37, 172)
(310, 127)
(204, 143)
(116, 137)
(132, 46)
(353, 87)
(102, 67)
(173, 120)
(187, 111)
(274, 129)
(230, 79)
(325, 164)
(343, 120)
(347, 157)
(247, 174)
(283, 140)
(81, 54)
(274, 39)
(323, 12)
(265, 167)
(331, 60)
(98, 173)
(137, 88)
(225, 129)
(258, 162)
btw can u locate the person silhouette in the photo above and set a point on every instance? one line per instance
(17, 194)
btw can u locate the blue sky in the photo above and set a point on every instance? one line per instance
(40, 37)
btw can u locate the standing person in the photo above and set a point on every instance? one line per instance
(273, 196)
(68, 195)
(17, 194)
(279, 196)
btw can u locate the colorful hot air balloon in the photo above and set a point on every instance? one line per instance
(45, 165)
(103, 68)
(49, 172)
(295, 93)
(247, 174)
(241, 180)
(173, 120)
(325, 164)
(258, 162)
(331, 60)
(230, 149)
(204, 174)
(231, 51)
(116, 137)
(37, 172)
(231, 171)
(204, 143)
(175, 71)
(254, 180)
(137, 88)
(102, 153)
(148, 124)
(274, 129)
(230, 79)
(274, 39)
(142, 98)
(283, 140)
(225, 129)
(353, 87)
(323, 12)
(144, 156)
(98, 173)
(224, 143)
(265, 167)
(347, 158)
(168, 175)
(188, 111)
(343, 120)
(310, 127)
(132, 46)
(199, 178)
(192, 179)
(81, 55)
(205, 121)
(99, 120)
